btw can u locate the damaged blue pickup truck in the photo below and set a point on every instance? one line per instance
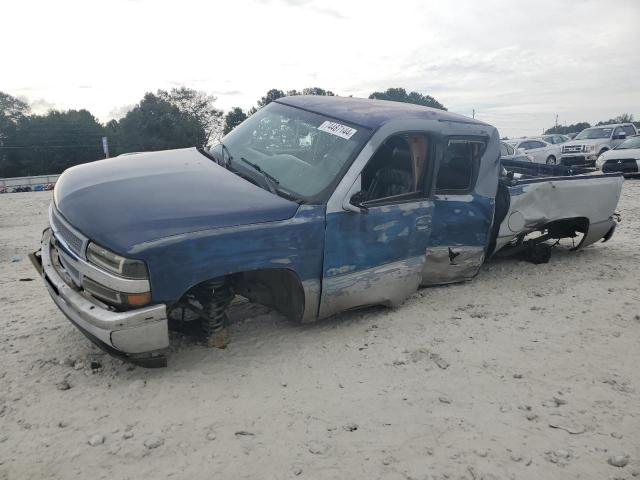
(312, 206)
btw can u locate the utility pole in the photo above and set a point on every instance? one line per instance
(105, 147)
(474, 113)
(556, 121)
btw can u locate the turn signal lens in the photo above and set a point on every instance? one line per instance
(136, 299)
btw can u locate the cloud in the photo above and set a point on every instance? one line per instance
(310, 5)
(518, 64)
(120, 112)
(40, 105)
(227, 93)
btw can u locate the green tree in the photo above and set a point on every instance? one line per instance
(401, 95)
(51, 143)
(271, 95)
(12, 110)
(199, 106)
(564, 129)
(624, 118)
(233, 118)
(318, 91)
(157, 124)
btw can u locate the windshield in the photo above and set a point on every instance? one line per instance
(633, 142)
(593, 133)
(303, 151)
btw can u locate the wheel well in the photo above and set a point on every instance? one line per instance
(277, 288)
(567, 227)
(564, 228)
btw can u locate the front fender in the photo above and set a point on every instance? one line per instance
(179, 262)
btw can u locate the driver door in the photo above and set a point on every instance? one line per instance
(375, 254)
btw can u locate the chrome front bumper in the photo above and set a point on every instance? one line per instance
(139, 335)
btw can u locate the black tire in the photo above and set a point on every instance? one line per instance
(540, 253)
(551, 160)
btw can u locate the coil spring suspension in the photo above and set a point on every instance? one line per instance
(215, 296)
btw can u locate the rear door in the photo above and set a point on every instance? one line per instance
(537, 149)
(462, 218)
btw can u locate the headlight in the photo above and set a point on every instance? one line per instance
(588, 148)
(112, 297)
(114, 263)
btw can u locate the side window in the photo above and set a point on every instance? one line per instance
(396, 168)
(629, 130)
(619, 131)
(525, 145)
(504, 150)
(536, 144)
(459, 166)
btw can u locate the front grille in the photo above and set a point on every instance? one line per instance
(624, 165)
(571, 148)
(74, 242)
(572, 160)
(73, 272)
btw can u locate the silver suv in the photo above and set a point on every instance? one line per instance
(590, 143)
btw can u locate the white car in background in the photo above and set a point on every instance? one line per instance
(554, 138)
(541, 151)
(509, 152)
(592, 142)
(624, 158)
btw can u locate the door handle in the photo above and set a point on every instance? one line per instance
(423, 223)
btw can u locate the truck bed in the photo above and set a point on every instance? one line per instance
(541, 198)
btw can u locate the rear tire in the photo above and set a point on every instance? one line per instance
(551, 160)
(540, 253)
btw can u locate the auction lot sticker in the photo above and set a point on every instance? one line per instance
(337, 129)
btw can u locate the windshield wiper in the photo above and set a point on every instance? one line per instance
(227, 163)
(271, 181)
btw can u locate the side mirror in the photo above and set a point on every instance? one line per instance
(356, 203)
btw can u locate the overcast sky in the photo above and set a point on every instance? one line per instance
(517, 63)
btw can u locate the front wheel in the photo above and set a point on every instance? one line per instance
(551, 160)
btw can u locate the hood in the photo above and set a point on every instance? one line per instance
(128, 200)
(595, 141)
(619, 154)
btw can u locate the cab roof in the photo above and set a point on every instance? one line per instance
(370, 113)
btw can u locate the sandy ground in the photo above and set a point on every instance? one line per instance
(528, 372)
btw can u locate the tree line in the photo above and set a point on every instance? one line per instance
(578, 127)
(236, 115)
(32, 144)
